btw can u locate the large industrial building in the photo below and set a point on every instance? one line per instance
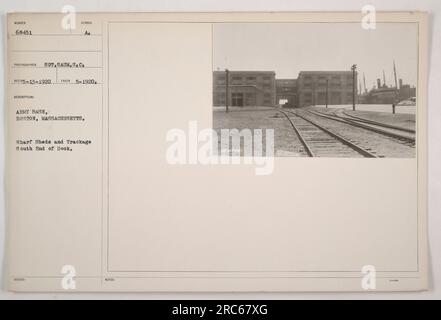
(317, 87)
(261, 88)
(245, 88)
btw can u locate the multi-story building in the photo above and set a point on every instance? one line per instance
(245, 88)
(319, 87)
(286, 91)
(261, 88)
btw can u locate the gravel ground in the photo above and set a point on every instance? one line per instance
(286, 142)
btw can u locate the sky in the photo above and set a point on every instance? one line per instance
(288, 48)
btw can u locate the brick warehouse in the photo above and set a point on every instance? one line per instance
(261, 88)
(313, 85)
(246, 88)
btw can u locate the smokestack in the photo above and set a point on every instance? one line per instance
(378, 83)
(401, 83)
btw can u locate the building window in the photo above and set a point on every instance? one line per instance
(308, 97)
(322, 80)
(335, 98)
(236, 80)
(237, 99)
(321, 97)
(220, 79)
(249, 95)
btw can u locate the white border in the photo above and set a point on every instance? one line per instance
(433, 6)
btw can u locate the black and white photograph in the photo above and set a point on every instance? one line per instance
(155, 153)
(326, 89)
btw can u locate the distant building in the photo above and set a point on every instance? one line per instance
(261, 88)
(313, 85)
(286, 90)
(246, 88)
(405, 91)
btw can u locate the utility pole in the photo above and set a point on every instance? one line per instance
(354, 84)
(327, 93)
(227, 79)
(364, 82)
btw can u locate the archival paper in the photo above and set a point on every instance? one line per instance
(216, 152)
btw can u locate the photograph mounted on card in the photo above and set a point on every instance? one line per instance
(217, 151)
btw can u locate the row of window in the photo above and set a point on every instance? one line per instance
(240, 78)
(250, 78)
(221, 95)
(233, 83)
(331, 78)
(330, 84)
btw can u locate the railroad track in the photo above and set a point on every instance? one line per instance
(397, 133)
(319, 141)
(380, 124)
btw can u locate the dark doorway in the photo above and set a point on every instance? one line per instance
(237, 99)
